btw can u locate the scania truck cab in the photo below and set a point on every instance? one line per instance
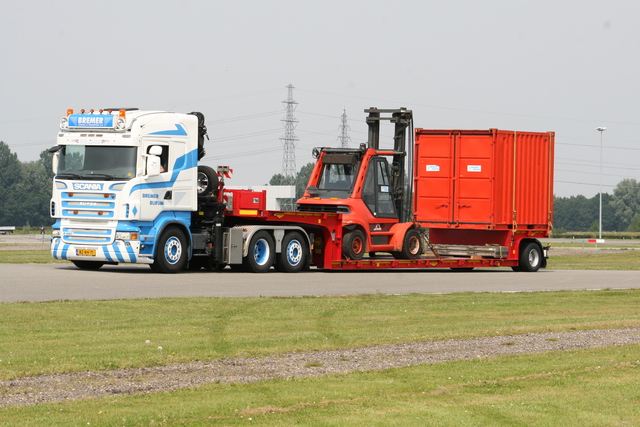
(126, 184)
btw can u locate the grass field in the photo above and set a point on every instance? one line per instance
(588, 387)
(517, 390)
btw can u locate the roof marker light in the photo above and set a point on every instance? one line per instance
(69, 111)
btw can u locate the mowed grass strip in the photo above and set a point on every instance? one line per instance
(66, 336)
(623, 260)
(592, 387)
(43, 256)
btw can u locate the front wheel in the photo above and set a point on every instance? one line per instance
(171, 252)
(293, 257)
(353, 245)
(260, 255)
(530, 258)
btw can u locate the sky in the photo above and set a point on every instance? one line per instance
(567, 66)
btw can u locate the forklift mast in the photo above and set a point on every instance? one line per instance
(403, 121)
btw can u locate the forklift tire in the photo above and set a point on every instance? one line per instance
(411, 246)
(353, 245)
(261, 253)
(293, 257)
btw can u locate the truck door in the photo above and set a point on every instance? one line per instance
(377, 194)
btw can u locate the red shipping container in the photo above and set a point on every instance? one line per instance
(484, 179)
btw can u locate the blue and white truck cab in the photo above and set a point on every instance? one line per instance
(126, 187)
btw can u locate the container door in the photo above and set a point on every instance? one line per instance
(434, 178)
(473, 185)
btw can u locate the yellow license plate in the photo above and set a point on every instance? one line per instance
(86, 252)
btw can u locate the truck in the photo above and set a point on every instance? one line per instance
(128, 188)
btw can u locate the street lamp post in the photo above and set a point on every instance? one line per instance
(600, 129)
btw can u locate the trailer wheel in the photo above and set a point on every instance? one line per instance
(170, 255)
(293, 257)
(530, 258)
(88, 265)
(260, 256)
(207, 182)
(353, 244)
(411, 246)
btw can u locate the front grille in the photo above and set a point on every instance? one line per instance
(323, 208)
(76, 234)
(88, 205)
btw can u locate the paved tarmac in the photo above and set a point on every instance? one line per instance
(47, 282)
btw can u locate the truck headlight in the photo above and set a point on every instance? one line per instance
(126, 235)
(64, 123)
(55, 233)
(120, 123)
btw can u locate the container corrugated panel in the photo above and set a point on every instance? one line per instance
(484, 179)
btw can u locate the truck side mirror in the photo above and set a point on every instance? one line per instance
(55, 159)
(153, 165)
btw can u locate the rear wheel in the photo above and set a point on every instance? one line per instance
(411, 246)
(88, 265)
(260, 256)
(530, 258)
(171, 252)
(353, 244)
(293, 257)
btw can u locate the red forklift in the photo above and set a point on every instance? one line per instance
(369, 186)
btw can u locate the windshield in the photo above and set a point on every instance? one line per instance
(338, 177)
(100, 162)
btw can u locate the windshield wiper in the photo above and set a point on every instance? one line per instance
(99, 175)
(68, 176)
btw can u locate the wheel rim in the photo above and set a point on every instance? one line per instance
(357, 245)
(534, 258)
(294, 252)
(203, 182)
(173, 250)
(414, 245)
(261, 252)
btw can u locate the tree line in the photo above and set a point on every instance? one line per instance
(25, 189)
(25, 192)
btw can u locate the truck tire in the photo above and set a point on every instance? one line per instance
(353, 244)
(88, 265)
(207, 181)
(530, 258)
(171, 251)
(293, 257)
(411, 246)
(261, 253)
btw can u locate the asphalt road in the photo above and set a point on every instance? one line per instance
(48, 282)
